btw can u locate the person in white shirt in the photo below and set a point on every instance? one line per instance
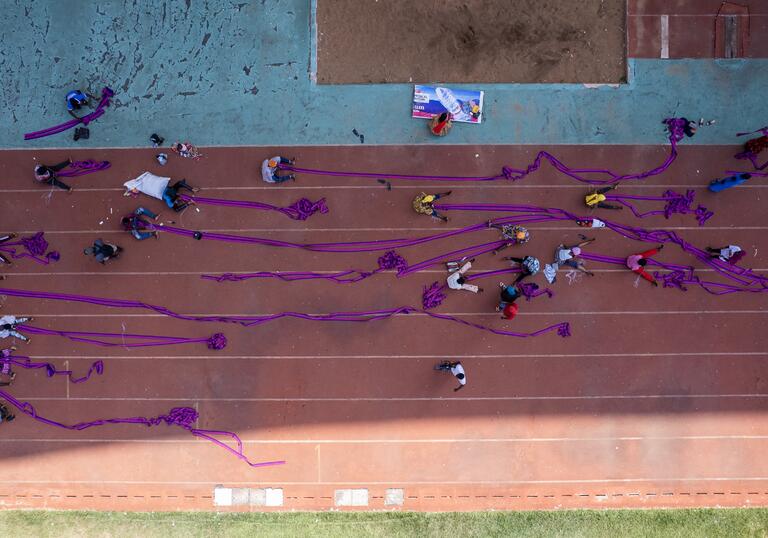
(456, 280)
(8, 327)
(270, 169)
(457, 370)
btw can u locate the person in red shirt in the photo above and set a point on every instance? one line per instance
(637, 263)
(441, 124)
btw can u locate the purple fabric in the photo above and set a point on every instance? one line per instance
(246, 321)
(434, 295)
(675, 203)
(389, 261)
(217, 341)
(36, 245)
(81, 168)
(674, 125)
(9, 358)
(106, 94)
(183, 417)
(301, 209)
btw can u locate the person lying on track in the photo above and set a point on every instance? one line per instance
(103, 251)
(637, 263)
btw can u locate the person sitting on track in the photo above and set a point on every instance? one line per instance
(457, 370)
(456, 280)
(103, 251)
(637, 263)
(47, 174)
(529, 266)
(5, 414)
(270, 169)
(513, 234)
(423, 204)
(597, 198)
(729, 253)
(134, 223)
(8, 327)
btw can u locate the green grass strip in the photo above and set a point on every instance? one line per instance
(709, 523)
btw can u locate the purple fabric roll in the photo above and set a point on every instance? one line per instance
(247, 321)
(106, 94)
(301, 209)
(217, 341)
(674, 125)
(81, 168)
(36, 247)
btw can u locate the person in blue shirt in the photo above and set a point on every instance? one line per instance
(76, 99)
(728, 182)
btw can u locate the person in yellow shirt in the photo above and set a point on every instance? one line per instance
(597, 198)
(423, 204)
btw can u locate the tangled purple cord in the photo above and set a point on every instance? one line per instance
(674, 125)
(675, 203)
(106, 94)
(183, 417)
(217, 341)
(35, 246)
(301, 209)
(81, 168)
(246, 321)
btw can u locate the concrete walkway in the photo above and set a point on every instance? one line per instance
(240, 73)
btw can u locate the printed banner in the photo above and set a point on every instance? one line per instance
(466, 106)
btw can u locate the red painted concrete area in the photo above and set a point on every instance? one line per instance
(658, 398)
(693, 27)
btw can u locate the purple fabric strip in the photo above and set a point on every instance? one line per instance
(8, 357)
(106, 94)
(217, 341)
(674, 125)
(183, 417)
(389, 261)
(301, 209)
(36, 247)
(246, 321)
(81, 168)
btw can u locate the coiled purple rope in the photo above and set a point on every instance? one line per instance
(183, 417)
(246, 321)
(675, 203)
(675, 126)
(36, 247)
(301, 209)
(81, 168)
(9, 358)
(389, 261)
(748, 155)
(217, 341)
(106, 94)
(434, 294)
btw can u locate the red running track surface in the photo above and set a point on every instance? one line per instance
(658, 398)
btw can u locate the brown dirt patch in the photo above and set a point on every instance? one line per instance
(375, 41)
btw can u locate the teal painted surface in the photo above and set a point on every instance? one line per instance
(239, 73)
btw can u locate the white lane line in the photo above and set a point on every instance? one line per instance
(350, 230)
(406, 441)
(411, 399)
(399, 482)
(409, 186)
(221, 271)
(459, 356)
(419, 314)
(664, 53)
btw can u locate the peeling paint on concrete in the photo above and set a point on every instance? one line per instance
(218, 73)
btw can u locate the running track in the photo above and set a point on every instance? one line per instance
(657, 399)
